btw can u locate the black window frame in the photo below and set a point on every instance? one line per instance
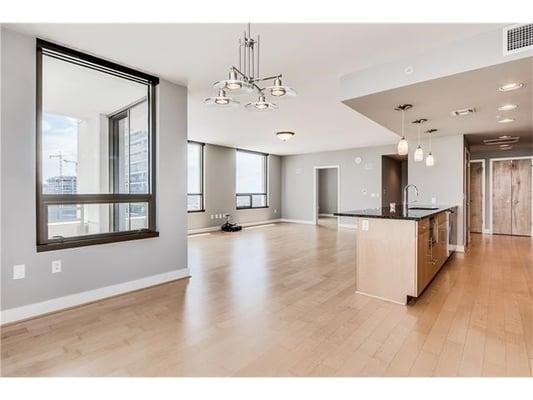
(250, 195)
(44, 200)
(202, 178)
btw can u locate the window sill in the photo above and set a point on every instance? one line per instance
(251, 208)
(103, 239)
(195, 211)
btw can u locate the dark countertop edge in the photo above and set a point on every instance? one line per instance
(427, 213)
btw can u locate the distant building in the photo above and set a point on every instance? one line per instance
(61, 185)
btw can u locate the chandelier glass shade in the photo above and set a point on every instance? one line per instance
(221, 100)
(245, 79)
(419, 152)
(430, 160)
(403, 145)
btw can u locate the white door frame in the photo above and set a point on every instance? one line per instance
(483, 199)
(491, 161)
(315, 189)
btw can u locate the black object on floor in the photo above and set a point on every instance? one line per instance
(228, 226)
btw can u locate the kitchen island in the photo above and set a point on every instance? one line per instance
(399, 252)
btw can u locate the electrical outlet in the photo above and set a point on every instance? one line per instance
(433, 200)
(19, 271)
(212, 217)
(275, 211)
(56, 266)
(364, 225)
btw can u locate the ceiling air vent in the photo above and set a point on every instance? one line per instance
(499, 141)
(463, 112)
(517, 38)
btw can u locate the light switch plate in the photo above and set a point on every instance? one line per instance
(19, 271)
(56, 266)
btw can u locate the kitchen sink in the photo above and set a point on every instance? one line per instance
(423, 208)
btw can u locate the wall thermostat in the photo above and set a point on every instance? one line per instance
(358, 160)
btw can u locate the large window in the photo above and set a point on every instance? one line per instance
(195, 177)
(251, 179)
(95, 150)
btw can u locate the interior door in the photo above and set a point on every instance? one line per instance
(476, 197)
(521, 197)
(502, 197)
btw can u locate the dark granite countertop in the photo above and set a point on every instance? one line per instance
(411, 214)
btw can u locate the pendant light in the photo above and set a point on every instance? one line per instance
(279, 90)
(403, 146)
(430, 161)
(261, 104)
(221, 100)
(419, 153)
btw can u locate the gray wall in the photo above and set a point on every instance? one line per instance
(89, 267)
(219, 175)
(361, 184)
(327, 191)
(496, 154)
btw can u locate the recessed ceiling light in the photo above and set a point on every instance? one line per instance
(507, 107)
(504, 137)
(505, 120)
(510, 86)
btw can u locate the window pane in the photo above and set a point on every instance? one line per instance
(251, 173)
(77, 104)
(68, 220)
(243, 201)
(194, 168)
(259, 200)
(194, 202)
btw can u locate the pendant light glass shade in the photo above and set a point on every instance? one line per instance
(261, 104)
(234, 84)
(419, 154)
(403, 147)
(222, 100)
(430, 161)
(278, 90)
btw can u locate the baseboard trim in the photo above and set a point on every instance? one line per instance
(244, 224)
(18, 314)
(486, 231)
(347, 226)
(326, 215)
(297, 221)
(458, 248)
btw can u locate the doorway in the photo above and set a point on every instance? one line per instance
(393, 179)
(511, 190)
(476, 196)
(326, 195)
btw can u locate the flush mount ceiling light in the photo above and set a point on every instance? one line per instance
(284, 135)
(506, 120)
(419, 153)
(510, 86)
(508, 107)
(504, 137)
(403, 145)
(261, 104)
(464, 111)
(430, 160)
(222, 100)
(246, 79)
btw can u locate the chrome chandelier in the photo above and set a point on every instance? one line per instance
(246, 79)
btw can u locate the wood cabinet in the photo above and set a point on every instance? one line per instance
(432, 248)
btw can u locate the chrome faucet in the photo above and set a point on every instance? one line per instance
(406, 195)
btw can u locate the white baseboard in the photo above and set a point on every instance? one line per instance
(347, 226)
(244, 224)
(458, 248)
(297, 221)
(326, 215)
(60, 303)
(486, 231)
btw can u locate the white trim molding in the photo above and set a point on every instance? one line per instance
(347, 226)
(78, 299)
(459, 248)
(297, 221)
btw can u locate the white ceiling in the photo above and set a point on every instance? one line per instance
(437, 98)
(311, 57)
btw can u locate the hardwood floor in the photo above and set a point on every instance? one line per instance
(280, 301)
